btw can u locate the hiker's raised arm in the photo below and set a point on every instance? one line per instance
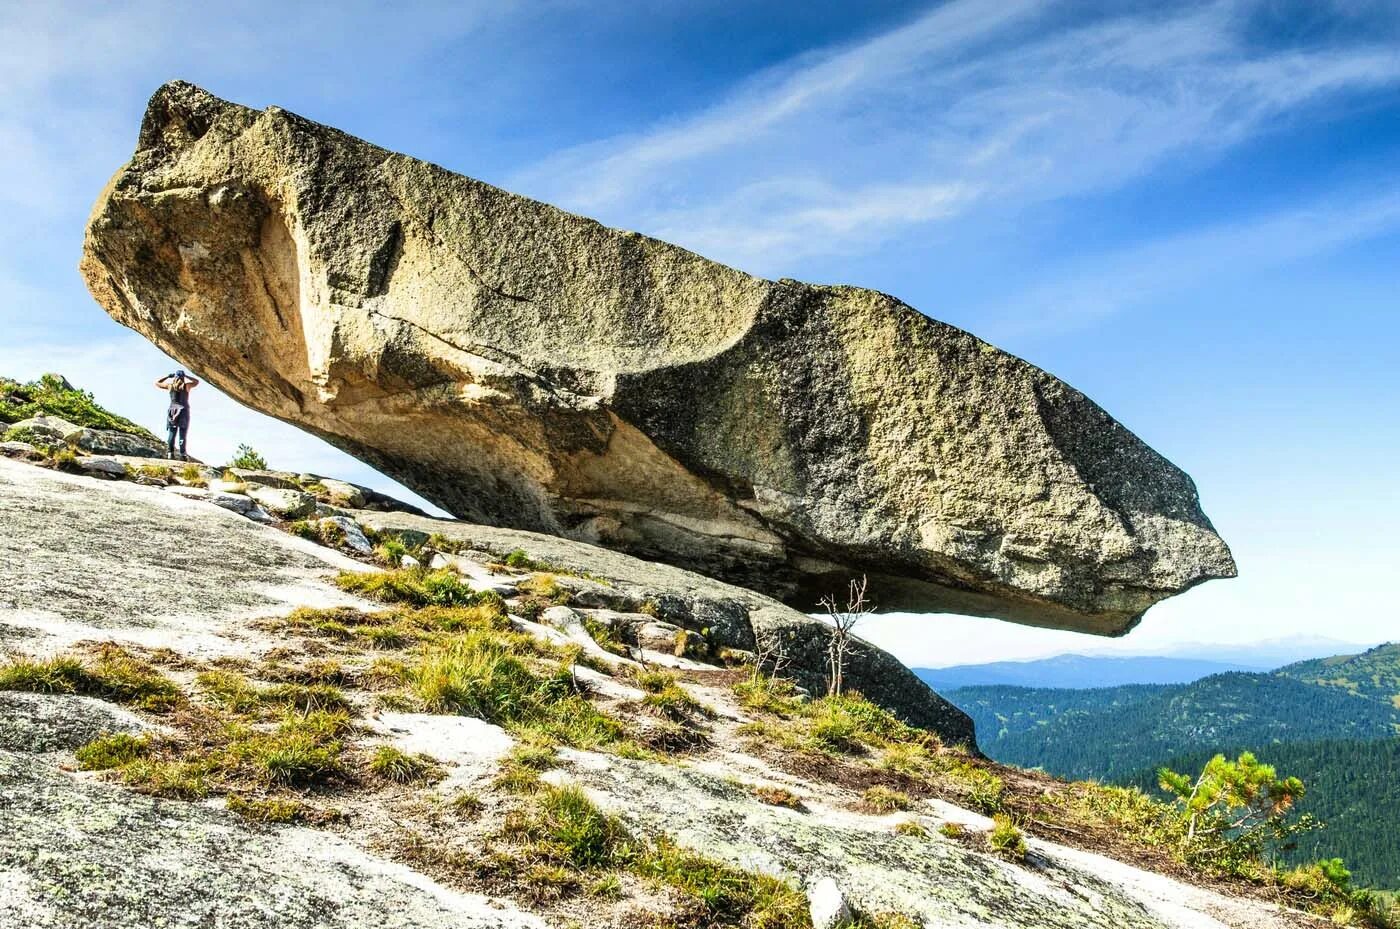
(161, 382)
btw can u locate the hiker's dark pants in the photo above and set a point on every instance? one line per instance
(177, 424)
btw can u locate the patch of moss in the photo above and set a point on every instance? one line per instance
(111, 751)
(266, 810)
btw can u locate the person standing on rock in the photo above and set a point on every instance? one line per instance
(177, 418)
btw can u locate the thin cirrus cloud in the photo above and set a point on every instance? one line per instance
(974, 107)
(1080, 295)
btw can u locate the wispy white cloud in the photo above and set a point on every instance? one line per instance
(978, 105)
(1084, 293)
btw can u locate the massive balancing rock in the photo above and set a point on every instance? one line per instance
(524, 367)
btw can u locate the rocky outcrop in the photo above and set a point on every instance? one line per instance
(732, 617)
(71, 859)
(199, 598)
(524, 367)
(199, 568)
(54, 431)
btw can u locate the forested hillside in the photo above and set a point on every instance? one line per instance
(1111, 733)
(1352, 786)
(1333, 722)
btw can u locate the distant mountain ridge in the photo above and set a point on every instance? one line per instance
(1180, 665)
(1072, 671)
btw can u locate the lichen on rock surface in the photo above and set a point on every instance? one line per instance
(525, 367)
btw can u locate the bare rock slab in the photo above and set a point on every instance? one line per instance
(68, 861)
(527, 368)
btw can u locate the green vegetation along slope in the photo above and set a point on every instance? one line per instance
(1374, 674)
(52, 395)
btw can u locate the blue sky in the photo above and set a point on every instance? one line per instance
(1189, 211)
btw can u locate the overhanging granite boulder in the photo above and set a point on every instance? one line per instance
(525, 367)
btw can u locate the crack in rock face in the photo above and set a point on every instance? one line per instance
(527, 368)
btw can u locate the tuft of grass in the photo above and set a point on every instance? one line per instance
(666, 697)
(1006, 838)
(568, 819)
(520, 770)
(484, 674)
(413, 586)
(236, 693)
(730, 896)
(113, 675)
(884, 800)
(605, 635)
(468, 804)
(161, 473)
(391, 764)
(111, 751)
(294, 758)
(911, 828)
(951, 830)
(568, 837)
(774, 695)
(181, 780)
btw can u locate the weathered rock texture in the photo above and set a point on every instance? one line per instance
(525, 367)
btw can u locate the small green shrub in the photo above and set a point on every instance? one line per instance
(247, 459)
(391, 551)
(1233, 810)
(521, 560)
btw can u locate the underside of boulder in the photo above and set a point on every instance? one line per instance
(524, 367)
